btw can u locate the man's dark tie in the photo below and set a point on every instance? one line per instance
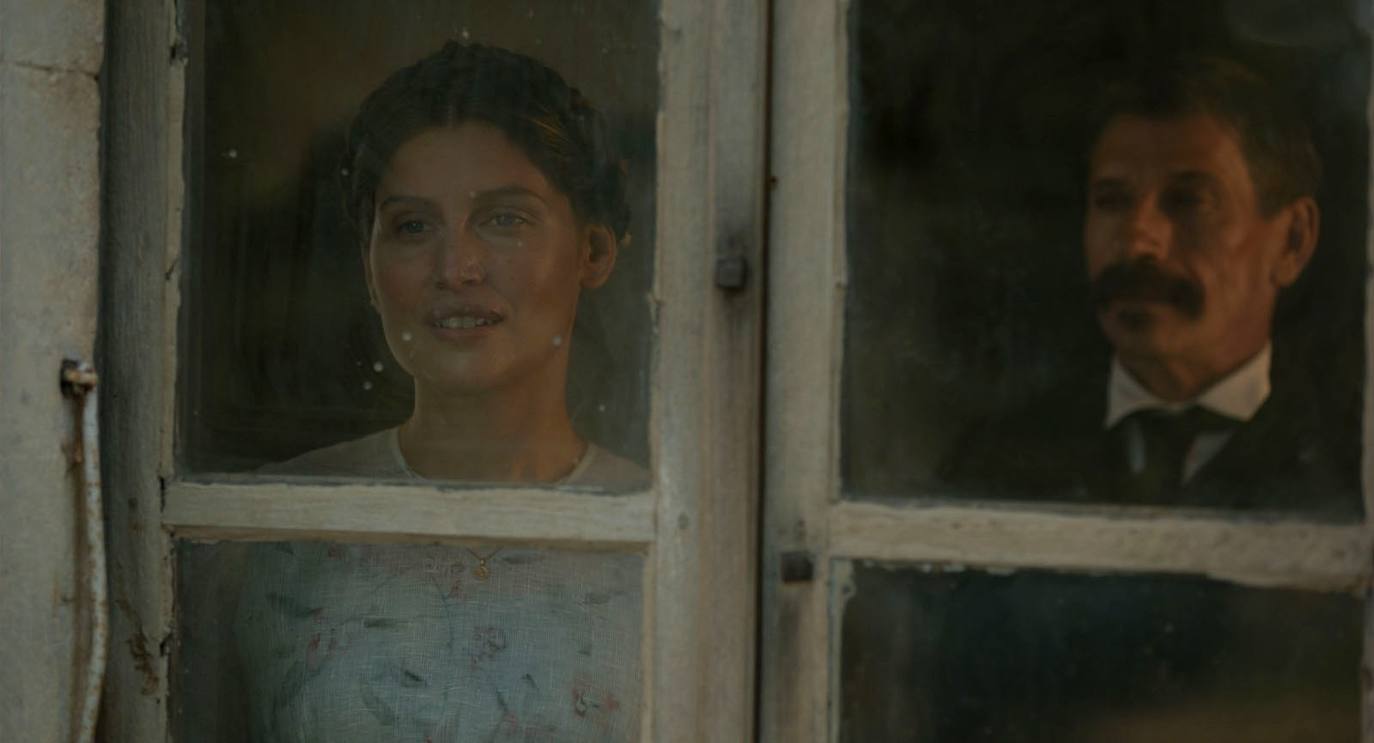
(1168, 437)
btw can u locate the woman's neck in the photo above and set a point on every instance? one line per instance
(514, 435)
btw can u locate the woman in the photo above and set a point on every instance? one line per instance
(488, 199)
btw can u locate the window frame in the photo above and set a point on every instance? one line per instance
(696, 524)
(807, 521)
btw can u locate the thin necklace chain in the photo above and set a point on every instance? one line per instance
(482, 572)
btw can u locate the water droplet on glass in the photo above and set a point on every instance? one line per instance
(377, 367)
(367, 385)
(557, 340)
(406, 336)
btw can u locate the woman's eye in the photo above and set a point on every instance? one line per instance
(411, 227)
(506, 220)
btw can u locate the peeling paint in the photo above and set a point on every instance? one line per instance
(144, 661)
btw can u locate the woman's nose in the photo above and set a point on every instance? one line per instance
(462, 260)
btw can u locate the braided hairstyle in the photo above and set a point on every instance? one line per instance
(549, 120)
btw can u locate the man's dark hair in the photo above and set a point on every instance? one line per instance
(1269, 126)
(549, 120)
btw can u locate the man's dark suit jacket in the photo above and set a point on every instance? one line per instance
(1281, 460)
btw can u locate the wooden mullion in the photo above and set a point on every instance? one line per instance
(805, 315)
(1290, 554)
(707, 369)
(302, 510)
(144, 101)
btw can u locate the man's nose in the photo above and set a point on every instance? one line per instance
(1147, 230)
(462, 259)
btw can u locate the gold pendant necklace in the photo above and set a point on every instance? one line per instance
(482, 572)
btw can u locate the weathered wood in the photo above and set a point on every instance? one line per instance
(805, 313)
(706, 372)
(143, 104)
(1367, 674)
(1290, 554)
(295, 511)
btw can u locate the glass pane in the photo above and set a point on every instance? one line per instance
(992, 305)
(1041, 657)
(421, 260)
(313, 641)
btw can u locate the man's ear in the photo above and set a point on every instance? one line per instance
(1300, 241)
(598, 256)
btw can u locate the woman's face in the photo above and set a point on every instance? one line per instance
(476, 261)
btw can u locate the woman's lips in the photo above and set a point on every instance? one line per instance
(454, 322)
(463, 321)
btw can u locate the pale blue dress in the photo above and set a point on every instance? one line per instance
(439, 643)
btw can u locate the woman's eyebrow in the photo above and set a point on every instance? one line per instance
(507, 192)
(404, 199)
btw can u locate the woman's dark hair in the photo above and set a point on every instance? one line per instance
(556, 127)
(1268, 124)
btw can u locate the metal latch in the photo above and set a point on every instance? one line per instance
(732, 272)
(798, 567)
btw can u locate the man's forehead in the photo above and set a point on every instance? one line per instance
(1190, 145)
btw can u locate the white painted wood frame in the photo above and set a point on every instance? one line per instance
(803, 511)
(697, 524)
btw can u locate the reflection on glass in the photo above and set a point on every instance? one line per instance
(1039, 657)
(306, 641)
(447, 265)
(1124, 277)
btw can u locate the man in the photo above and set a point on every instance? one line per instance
(1200, 211)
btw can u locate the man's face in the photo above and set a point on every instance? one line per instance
(1185, 268)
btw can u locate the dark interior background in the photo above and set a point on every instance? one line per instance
(280, 351)
(940, 654)
(966, 289)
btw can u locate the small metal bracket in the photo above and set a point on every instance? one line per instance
(76, 378)
(798, 567)
(732, 272)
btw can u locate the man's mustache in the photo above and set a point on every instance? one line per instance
(1145, 280)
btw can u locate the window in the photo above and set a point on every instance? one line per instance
(255, 296)
(794, 408)
(927, 271)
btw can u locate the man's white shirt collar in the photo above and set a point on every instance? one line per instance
(1238, 395)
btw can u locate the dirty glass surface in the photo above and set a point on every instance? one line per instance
(1040, 657)
(317, 641)
(974, 362)
(301, 330)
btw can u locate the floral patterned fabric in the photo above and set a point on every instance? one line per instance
(434, 644)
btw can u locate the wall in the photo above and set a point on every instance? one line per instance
(50, 56)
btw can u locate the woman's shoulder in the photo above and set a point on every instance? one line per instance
(373, 455)
(602, 468)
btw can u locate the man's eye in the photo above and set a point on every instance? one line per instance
(1110, 201)
(1185, 199)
